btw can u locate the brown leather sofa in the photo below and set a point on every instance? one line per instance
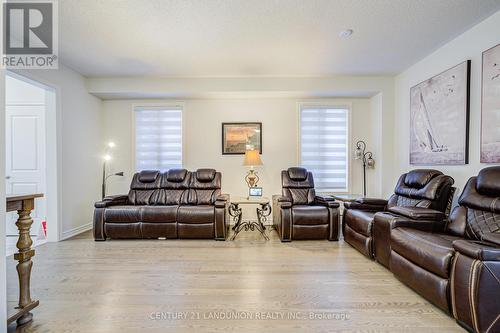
(299, 213)
(174, 204)
(420, 194)
(458, 268)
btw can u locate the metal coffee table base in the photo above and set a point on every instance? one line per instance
(262, 213)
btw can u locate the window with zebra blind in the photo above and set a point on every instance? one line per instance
(324, 146)
(158, 138)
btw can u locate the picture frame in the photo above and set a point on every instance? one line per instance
(436, 103)
(239, 136)
(255, 191)
(490, 104)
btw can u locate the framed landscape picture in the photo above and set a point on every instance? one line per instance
(238, 137)
(490, 106)
(439, 118)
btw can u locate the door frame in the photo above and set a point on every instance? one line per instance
(53, 153)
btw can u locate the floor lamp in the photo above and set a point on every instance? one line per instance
(106, 158)
(367, 157)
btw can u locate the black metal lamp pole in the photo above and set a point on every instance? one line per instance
(106, 158)
(367, 157)
(104, 179)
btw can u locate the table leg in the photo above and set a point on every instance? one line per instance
(236, 213)
(262, 213)
(25, 263)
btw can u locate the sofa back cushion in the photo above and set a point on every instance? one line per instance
(425, 188)
(479, 210)
(174, 188)
(145, 187)
(298, 186)
(204, 187)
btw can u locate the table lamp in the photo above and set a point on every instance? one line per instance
(252, 159)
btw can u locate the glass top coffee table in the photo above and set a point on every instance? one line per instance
(262, 213)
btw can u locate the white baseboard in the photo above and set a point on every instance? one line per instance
(76, 231)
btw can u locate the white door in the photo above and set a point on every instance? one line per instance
(25, 158)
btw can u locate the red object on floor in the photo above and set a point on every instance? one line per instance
(44, 226)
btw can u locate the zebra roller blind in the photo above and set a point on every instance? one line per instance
(158, 138)
(324, 145)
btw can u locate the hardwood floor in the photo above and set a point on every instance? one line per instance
(148, 286)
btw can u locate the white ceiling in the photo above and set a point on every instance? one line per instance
(193, 38)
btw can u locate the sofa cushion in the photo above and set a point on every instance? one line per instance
(159, 214)
(297, 174)
(196, 214)
(422, 184)
(360, 221)
(418, 178)
(430, 251)
(176, 175)
(205, 175)
(122, 214)
(487, 181)
(309, 215)
(148, 176)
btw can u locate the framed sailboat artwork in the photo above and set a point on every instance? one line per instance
(490, 106)
(439, 118)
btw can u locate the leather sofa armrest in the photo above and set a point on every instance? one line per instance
(221, 216)
(282, 217)
(384, 222)
(112, 200)
(282, 201)
(372, 201)
(326, 200)
(478, 250)
(222, 200)
(396, 221)
(418, 213)
(367, 204)
(100, 207)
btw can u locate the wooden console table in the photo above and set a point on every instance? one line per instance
(24, 204)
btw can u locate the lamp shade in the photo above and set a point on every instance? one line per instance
(370, 162)
(358, 154)
(252, 158)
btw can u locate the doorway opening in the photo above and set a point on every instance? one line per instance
(30, 109)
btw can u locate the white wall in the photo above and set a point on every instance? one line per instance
(469, 45)
(202, 138)
(3, 269)
(79, 144)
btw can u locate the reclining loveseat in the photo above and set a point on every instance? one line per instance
(457, 265)
(421, 194)
(173, 204)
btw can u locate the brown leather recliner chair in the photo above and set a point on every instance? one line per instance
(299, 213)
(422, 189)
(458, 269)
(174, 204)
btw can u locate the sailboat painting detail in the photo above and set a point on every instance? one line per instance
(490, 113)
(439, 124)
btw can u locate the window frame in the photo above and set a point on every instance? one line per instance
(171, 104)
(328, 104)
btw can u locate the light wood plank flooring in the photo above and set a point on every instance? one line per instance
(143, 285)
